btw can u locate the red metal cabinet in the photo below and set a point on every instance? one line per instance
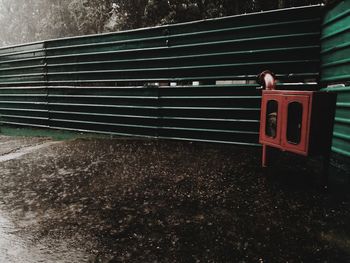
(271, 111)
(297, 121)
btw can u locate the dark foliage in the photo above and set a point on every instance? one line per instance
(32, 20)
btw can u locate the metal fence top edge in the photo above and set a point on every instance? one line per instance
(24, 44)
(161, 26)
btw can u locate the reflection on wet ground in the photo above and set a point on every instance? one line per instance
(109, 200)
(17, 247)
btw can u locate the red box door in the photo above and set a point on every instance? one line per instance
(296, 121)
(270, 119)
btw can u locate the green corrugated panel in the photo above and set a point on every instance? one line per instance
(336, 69)
(22, 65)
(217, 113)
(214, 113)
(285, 41)
(115, 110)
(81, 77)
(26, 106)
(341, 136)
(336, 44)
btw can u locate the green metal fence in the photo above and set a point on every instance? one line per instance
(236, 47)
(23, 65)
(124, 83)
(336, 70)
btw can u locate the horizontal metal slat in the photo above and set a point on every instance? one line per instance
(206, 55)
(20, 83)
(24, 110)
(102, 105)
(23, 124)
(335, 18)
(342, 136)
(186, 35)
(340, 151)
(336, 63)
(208, 119)
(211, 97)
(12, 61)
(209, 141)
(171, 68)
(103, 123)
(105, 114)
(102, 132)
(210, 136)
(209, 108)
(170, 48)
(335, 78)
(23, 95)
(209, 130)
(23, 117)
(23, 102)
(23, 75)
(39, 66)
(33, 53)
(101, 97)
(289, 77)
(335, 33)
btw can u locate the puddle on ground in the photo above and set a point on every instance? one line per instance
(16, 247)
(23, 151)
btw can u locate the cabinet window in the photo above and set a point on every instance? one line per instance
(295, 116)
(271, 118)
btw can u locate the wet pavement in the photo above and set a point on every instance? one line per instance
(123, 200)
(16, 246)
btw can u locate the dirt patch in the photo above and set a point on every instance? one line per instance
(166, 201)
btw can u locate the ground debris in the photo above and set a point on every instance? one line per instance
(166, 201)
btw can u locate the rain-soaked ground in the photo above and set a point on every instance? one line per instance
(120, 200)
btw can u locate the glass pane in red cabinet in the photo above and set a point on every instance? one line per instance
(271, 118)
(294, 123)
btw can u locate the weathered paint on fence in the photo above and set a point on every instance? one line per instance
(336, 70)
(336, 44)
(108, 83)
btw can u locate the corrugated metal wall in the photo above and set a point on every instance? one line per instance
(336, 70)
(23, 65)
(237, 47)
(23, 91)
(109, 83)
